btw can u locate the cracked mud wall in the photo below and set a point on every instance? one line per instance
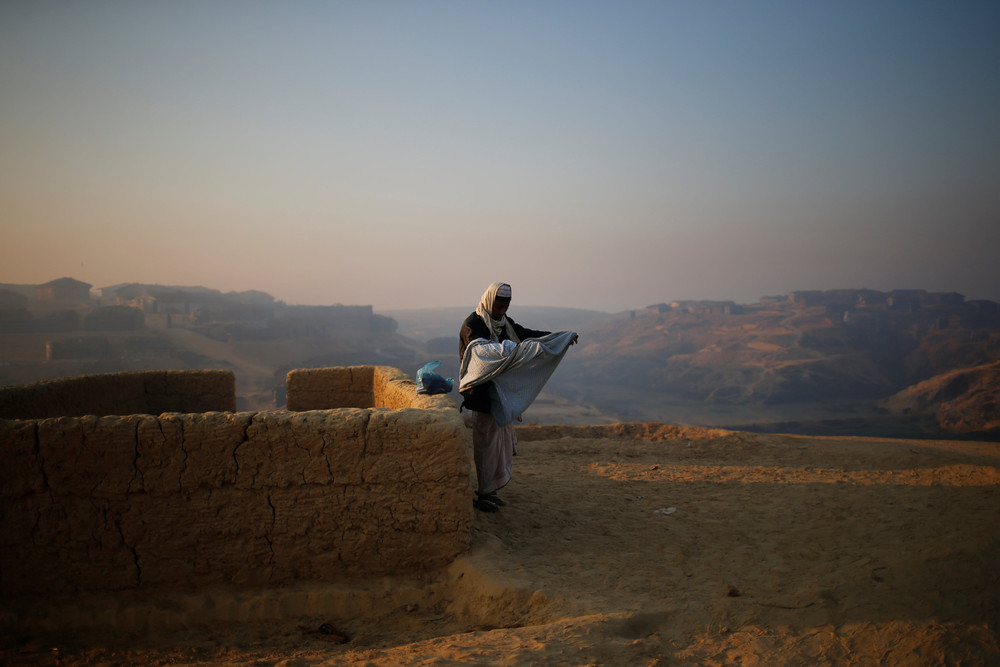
(325, 388)
(191, 500)
(125, 393)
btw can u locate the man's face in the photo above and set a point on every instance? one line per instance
(500, 306)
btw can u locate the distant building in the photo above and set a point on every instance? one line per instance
(806, 297)
(942, 299)
(153, 299)
(656, 309)
(868, 298)
(145, 303)
(841, 295)
(707, 307)
(902, 303)
(907, 294)
(64, 289)
(905, 299)
(733, 309)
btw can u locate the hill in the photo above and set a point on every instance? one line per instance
(963, 400)
(784, 363)
(807, 362)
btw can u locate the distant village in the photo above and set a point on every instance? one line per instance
(67, 327)
(67, 305)
(840, 304)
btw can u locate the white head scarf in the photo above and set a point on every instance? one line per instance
(484, 309)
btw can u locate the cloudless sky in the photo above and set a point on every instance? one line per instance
(604, 155)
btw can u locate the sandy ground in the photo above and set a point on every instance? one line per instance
(641, 546)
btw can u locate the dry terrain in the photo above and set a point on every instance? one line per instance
(783, 366)
(631, 545)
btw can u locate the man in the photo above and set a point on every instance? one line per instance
(494, 444)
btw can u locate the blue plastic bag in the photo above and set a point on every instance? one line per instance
(429, 382)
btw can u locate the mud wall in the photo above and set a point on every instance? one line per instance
(126, 393)
(105, 503)
(355, 386)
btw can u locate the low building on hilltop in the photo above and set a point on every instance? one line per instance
(64, 289)
(707, 307)
(869, 298)
(905, 299)
(809, 297)
(942, 299)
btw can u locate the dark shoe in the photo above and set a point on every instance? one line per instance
(491, 497)
(485, 505)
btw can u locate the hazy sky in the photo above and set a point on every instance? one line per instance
(604, 155)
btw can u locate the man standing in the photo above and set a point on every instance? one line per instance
(494, 444)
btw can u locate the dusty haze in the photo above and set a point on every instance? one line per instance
(599, 156)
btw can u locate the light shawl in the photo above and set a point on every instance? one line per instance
(484, 309)
(518, 371)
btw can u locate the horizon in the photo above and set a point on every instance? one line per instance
(594, 155)
(375, 308)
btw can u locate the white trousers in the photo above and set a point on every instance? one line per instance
(493, 448)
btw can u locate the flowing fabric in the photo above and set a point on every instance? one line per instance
(518, 371)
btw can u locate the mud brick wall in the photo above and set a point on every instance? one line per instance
(356, 386)
(182, 501)
(126, 393)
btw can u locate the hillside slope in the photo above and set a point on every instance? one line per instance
(775, 361)
(965, 400)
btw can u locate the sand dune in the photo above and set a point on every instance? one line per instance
(638, 545)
